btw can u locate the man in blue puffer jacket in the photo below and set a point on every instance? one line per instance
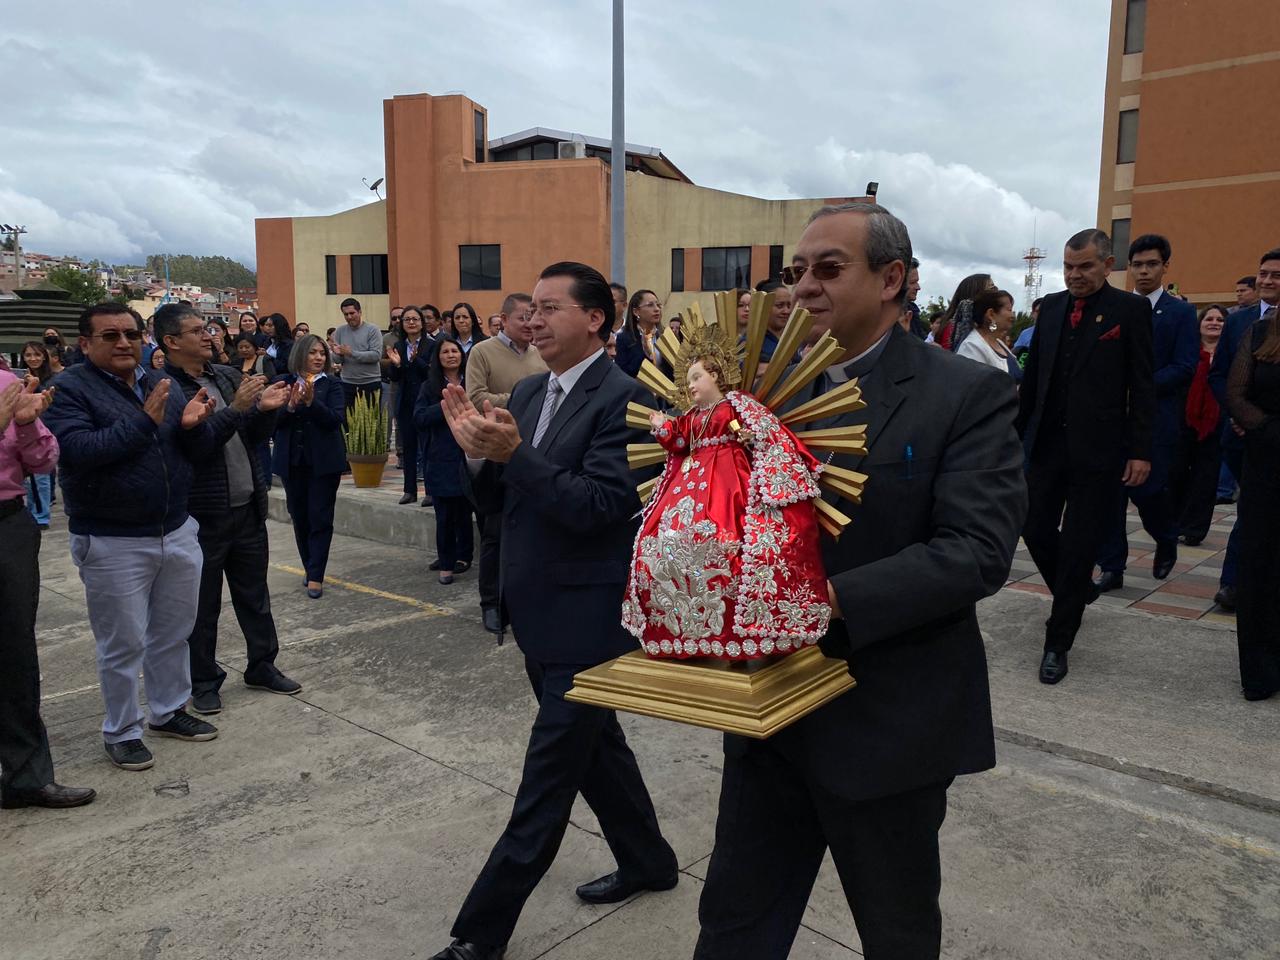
(127, 442)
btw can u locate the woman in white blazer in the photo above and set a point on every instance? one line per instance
(992, 320)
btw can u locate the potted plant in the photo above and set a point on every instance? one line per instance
(366, 438)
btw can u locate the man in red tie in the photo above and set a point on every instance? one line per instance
(1086, 412)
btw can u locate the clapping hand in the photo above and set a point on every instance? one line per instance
(394, 356)
(197, 410)
(21, 404)
(249, 390)
(488, 435)
(157, 400)
(273, 397)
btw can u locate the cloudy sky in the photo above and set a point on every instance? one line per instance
(139, 126)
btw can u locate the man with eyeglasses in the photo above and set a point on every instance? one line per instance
(554, 464)
(866, 775)
(494, 367)
(229, 501)
(128, 440)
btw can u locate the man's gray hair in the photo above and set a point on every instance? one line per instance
(887, 237)
(1091, 237)
(167, 320)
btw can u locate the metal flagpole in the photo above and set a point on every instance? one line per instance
(618, 162)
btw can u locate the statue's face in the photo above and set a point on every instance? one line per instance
(703, 388)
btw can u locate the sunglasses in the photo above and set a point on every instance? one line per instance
(113, 336)
(823, 271)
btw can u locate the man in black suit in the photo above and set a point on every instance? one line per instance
(1086, 414)
(866, 776)
(555, 468)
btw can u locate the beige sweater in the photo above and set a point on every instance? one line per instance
(493, 369)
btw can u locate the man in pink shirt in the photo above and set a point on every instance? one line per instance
(26, 445)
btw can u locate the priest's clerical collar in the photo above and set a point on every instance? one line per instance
(860, 365)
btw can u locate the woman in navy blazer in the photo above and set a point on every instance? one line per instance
(310, 455)
(410, 362)
(442, 471)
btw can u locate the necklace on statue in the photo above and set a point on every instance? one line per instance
(691, 461)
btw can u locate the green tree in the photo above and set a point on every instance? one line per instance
(83, 287)
(203, 271)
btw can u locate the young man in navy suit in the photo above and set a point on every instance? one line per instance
(1175, 341)
(554, 465)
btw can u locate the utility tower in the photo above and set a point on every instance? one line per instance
(15, 232)
(1032, 280)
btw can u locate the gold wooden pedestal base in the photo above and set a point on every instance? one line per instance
(716, 694)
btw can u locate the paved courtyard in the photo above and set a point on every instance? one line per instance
(1135, 811)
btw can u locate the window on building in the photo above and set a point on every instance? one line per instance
(775, 261)
(1120, 230)
(677, 269)
(726, 268)
(480, 141)
(330, 274)
(1135, 26)
(369, 273)
(1127, 142)
(480, 266)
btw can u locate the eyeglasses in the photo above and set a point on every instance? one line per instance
(113, 336)
(823, 271)
(546, 309)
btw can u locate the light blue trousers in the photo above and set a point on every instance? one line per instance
(141, 593)
(40, 497)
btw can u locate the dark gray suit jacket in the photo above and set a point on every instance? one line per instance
(568, 518)
(935, 533)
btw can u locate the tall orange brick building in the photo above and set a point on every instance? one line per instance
(1191, 140)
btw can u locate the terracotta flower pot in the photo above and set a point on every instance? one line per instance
(366, 469)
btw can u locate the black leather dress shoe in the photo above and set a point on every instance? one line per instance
(409, 498)
(466, 950)
(1108, 581)
(615, 889)
(1053, 666)
(1225, 598)
(50, 795)
(492, 621)
(1165, 558)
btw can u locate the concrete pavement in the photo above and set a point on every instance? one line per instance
(1135, 812)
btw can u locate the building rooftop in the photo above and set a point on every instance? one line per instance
(538, 143)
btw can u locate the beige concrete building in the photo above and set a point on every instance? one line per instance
(468, 219)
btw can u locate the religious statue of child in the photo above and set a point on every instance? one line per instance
(727, 562)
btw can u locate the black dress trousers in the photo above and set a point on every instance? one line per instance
(771, 834)
(1068, 513)
(1258, 605)
(573, 748)
(25, 763)
(235, 544)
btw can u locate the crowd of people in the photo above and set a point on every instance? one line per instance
(165, 435)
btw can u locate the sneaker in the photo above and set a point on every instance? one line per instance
(273, 680)
(207, 703)
(130, 755)
(183, 726)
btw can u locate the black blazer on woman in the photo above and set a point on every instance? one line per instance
(411, 375)
(312, 435)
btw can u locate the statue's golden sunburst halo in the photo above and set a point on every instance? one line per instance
(740, 358)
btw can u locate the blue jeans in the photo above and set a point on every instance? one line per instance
(40, 497)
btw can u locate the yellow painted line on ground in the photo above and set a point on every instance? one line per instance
(431, 608)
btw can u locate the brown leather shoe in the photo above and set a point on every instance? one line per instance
(50, 795)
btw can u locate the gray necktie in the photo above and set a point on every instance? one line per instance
(549, 407)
